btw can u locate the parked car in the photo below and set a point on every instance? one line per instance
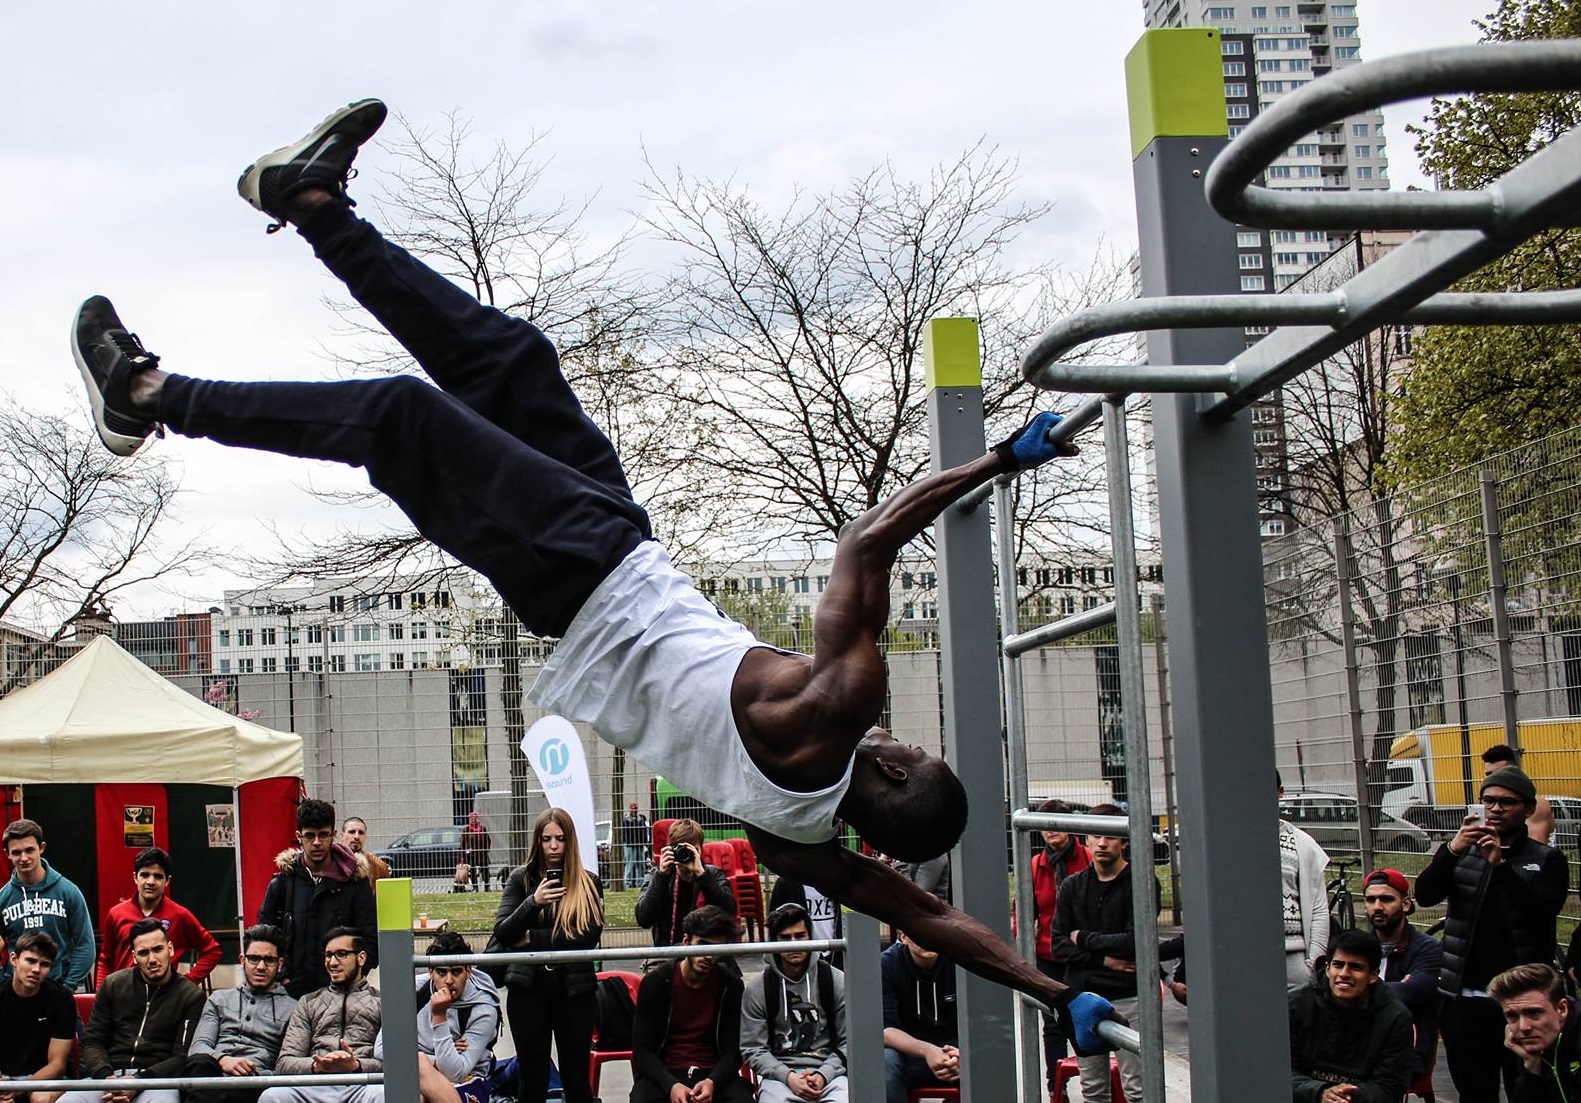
(426, 852)
(1567, 821)
(1330, 818)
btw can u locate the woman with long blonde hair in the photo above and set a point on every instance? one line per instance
(552, 902)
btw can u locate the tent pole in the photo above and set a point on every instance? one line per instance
(241, 907)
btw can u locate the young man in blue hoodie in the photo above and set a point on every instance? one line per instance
(921, 1033)
(37, 898)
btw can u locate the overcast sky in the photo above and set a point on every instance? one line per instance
(126, 125)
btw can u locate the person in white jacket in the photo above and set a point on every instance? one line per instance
(1302, 863)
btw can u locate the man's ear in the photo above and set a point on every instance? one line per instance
(892, 770)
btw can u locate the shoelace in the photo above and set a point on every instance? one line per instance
(133, 349)
(351, 174)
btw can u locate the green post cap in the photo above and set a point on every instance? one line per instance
(1174, 82)
(950, 354)
(394, 898)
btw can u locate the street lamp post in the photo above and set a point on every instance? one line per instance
(288, 611)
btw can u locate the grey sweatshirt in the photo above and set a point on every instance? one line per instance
(483, 1028)
(244, 1022)
(804, 1036)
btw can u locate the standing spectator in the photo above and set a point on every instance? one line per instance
(1062, 856)
(475, 844)
(1504, 892)
(1411, 959)
(37, 898)
(920, 1031)
(354, 834)
(1540, 824)
(38, 1020)
(686, 1036)
(680, 884)
(552, 902)
(1094, 939)
(142, 1022)
(332, 1029)
(793, 1020)
(151, 900)
(1543, 1031)
(320, 887)
(823, 914)
(241, 1028)
(1305, 897)
(636, 837)
(1350, 1038)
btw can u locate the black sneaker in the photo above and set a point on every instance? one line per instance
(321, 159)
(108, 356)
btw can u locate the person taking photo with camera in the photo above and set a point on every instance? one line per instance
(681, 884)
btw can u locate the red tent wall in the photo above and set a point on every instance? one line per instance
(268, 826)
(113, 853)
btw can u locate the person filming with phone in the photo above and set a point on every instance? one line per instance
(681, 884)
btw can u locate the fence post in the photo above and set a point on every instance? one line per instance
(1358, 744)
(397, 989)
(1497, 597)
(864, 1012)
(1167, 740)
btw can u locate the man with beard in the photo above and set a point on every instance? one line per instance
(1411, 959)
(241, 1028)
(1350, 1039)
(334, 1029)
(354, 833)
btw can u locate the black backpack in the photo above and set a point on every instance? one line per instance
(616, 1014)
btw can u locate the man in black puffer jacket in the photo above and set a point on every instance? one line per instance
(1504, 892)
(1350, 1036)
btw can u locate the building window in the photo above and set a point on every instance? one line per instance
(365, 633)
(754, 585)
(1278, 172)
(1287, 258)
(1238, 111)
(1236, 132)
(1341, 11)
(244, 666)
(1248, 239)
(1282, 12)
(1264, 45)
(1360, 130)
(267, 637)
(397, 661)
(397, 631)
(337, 664)
(225, 637)
(1424, 678)
(803, 584)
(315, 664)
(419, 630)
(225, 666)
(366, 660)
(337, 633)
(418, 599)
(442, 599)
(1251, 283)
(441, 630)
(1344, 32)
(244, 637)
(1273, 527)
(1272, 87)
(269, 665)
(419, 660)
(365, 603)
(393, 600)
(1220, 13)
(1232, 48)
(293, 664)
(1251, 260)
(1235, 68)
(337, 603)
(1300, 65)
(1306, 149)
(315, 633)
(1347, 52)
(1364, 172)
(1259, 13)
(1308, 172)
(1235, 91)
(1269, 65)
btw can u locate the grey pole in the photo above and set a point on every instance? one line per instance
(972, 745)
(1138, 767)
(1021, 843)
(1358, 746)
(397, 991)
(1167, 738)
(864, 1008)
(1213, 574)
(1498, 597)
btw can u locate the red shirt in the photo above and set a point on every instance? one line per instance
(693, 1011)
(181, 926)
(1045, 888)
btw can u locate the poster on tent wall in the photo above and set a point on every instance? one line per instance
(555, 751)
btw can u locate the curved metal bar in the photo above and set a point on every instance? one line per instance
(1548, 66)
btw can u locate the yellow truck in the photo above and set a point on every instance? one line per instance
(1428, 768)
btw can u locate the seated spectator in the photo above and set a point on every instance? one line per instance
(333, 1029)
(142, 1022)
(38, 1019)
(793, 1019)
(1541, 1029)
(240, 1030)
(1411, 959)
(920, 1032)
(151, 900)
(686, 1036)
(1350, 1038)
(680, 884)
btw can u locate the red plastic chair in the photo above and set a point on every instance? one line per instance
(661, 837)
(746, 857)
(937, 1091)
(84, 1002)
(722, 855)
(1066, 1069)
(1423, 1085)
(598, 1058)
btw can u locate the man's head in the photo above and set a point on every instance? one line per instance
(151, 875)
(1508, 798)
(1108, 851)
(315, 831)
(1055, 840)
(709, 925)
(344, 957)
(1532, 998)
(24, 845)
(1387, 895)
(790, 923)
(32, 957)
(632, 808)
(261, 946)
(925, 959)
(1352, 967)
(903, 801)
(354, 833)
(1497, 757)
(452, 978)
(684, 832)
(151, 951)
(473, 819)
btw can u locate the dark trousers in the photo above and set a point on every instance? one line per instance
(201, 1064)
(1055, 1048)
(503, 469)
(732, 1089)
(1473, 1033)
(542, 1010)
(902, 1072)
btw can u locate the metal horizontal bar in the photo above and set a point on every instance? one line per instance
(1085, 621)
(1120, 1037)
(193, 1083)
(1118, 827)
(1548, 66)
(629, 953)
(1497, 308)
(1072, 423)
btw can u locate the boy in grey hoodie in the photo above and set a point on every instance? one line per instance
(240, 1029)
(793, 1020)
(37, 898)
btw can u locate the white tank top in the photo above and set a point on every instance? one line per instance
(648, 662)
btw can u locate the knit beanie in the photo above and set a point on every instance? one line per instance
(1511, 778)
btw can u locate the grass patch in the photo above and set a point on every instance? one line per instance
(474, 911)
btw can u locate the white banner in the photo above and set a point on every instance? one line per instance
(555, 751)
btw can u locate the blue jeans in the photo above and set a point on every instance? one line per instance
(636, 865)
(500, 466)
(902, 1072)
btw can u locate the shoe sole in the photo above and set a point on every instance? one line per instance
(250, 184)
(119, 443)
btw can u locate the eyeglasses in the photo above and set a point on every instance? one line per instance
(1502, 802)
(448, 970)
(339, 955)
(262, 959)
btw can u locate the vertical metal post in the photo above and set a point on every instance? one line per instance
(1358, 746)
(1467, 773)
(864, 1008)
(1213, 574)
(1498, 597)
(1021, 845)
(241, 905)
(968, 644)
(397, 990)
(1167, 739)
(1138, 767)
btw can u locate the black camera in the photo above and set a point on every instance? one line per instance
(684, 854)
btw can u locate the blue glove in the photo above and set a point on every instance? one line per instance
(1031, 447)
(1079, 1017)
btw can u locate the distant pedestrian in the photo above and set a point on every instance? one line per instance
(475, 843)
(636, 838)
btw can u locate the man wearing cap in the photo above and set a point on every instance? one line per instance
(1411, 959)
(1504, 892)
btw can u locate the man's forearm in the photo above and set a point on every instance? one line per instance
(901, 517)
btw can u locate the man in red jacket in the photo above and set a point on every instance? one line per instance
(151, 875)
(1062, 855)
